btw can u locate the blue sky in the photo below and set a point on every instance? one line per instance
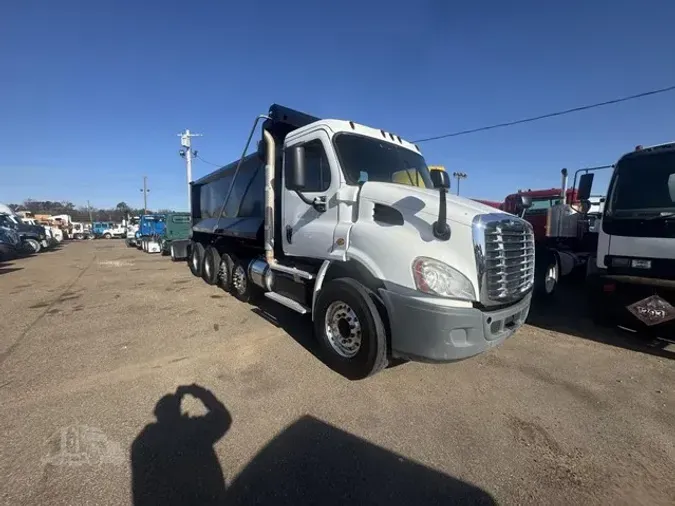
(93, 93)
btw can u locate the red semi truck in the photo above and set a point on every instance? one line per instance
(563, 224)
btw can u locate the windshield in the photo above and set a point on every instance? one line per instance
(367, 159)
(644, 183)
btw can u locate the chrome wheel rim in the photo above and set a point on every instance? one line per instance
(239, 280)
(343, 329)
(551, 277)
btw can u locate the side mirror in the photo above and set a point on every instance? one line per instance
(440, 179)
(296, 163)
(585, 185)
(523, 203)
(262, 151)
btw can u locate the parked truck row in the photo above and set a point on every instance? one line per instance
(348, 224)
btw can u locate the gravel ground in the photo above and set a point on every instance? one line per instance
(93, 335)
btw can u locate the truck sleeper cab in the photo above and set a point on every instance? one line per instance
(319, 221)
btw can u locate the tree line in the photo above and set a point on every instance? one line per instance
(80, 213)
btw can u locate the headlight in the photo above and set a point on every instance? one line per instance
(438, 278)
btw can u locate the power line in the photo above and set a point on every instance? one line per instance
(206, 161)
(549, 115)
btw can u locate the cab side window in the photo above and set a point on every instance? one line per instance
(317, 169)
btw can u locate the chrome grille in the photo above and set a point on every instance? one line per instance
(504, 249)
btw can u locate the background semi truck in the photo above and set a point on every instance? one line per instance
(319, 222)
(632, 277)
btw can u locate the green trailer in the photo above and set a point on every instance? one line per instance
(176, 235)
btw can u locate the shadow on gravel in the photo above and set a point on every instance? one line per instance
(7, 266)
(310, 462)
(569, 314)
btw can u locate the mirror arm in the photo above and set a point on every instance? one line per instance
(440, 228)
(318, 203)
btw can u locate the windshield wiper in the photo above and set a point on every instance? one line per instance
(664, 216)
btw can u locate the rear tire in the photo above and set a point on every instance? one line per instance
(211, 265)
(225, 272)
(242, 287)
(196, 256)
(350, 329)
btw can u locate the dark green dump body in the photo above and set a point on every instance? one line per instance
(178, 228)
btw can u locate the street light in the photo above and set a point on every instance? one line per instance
(458, 176)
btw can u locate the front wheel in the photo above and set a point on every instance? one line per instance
(107, 236)
(350, 329)
(547, 276)
(33, 245)
(196, 256)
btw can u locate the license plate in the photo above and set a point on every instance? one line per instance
(652, 310)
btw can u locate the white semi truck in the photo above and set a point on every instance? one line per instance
(632, 280)
(319, 222)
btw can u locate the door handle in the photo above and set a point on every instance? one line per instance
(289, 234)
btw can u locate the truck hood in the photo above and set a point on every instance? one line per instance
(411, 200)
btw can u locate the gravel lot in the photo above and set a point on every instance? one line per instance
(93, 335)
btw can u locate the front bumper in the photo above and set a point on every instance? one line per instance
(422, 329)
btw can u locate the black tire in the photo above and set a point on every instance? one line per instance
(601, 309)
(548, 268)
(241, 285)
(107, 236)
(196, 256)
(33, 246)
(163, 249)
(225, 272)
(210, 265)
(337, 299)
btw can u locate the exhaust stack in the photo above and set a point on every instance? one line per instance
(269, 198)
(564, 186)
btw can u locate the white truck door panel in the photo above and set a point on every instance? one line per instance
(305, 231)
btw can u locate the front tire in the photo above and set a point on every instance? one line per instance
(211, 265)
(350, 329)
(547, 276)
(107, 236)
(196, 256)
(33, 246)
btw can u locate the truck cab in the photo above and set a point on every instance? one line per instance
(149, 227)
(347, 223)
(632, 278)
(175, 238)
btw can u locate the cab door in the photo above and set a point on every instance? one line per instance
(307, 229)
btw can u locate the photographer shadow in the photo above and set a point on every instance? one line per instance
(173, 460)
(309, 462)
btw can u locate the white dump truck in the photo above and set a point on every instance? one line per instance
(346, 223)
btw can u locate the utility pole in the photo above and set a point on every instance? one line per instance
(186, 152)
(145, 191)
(459, 176)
